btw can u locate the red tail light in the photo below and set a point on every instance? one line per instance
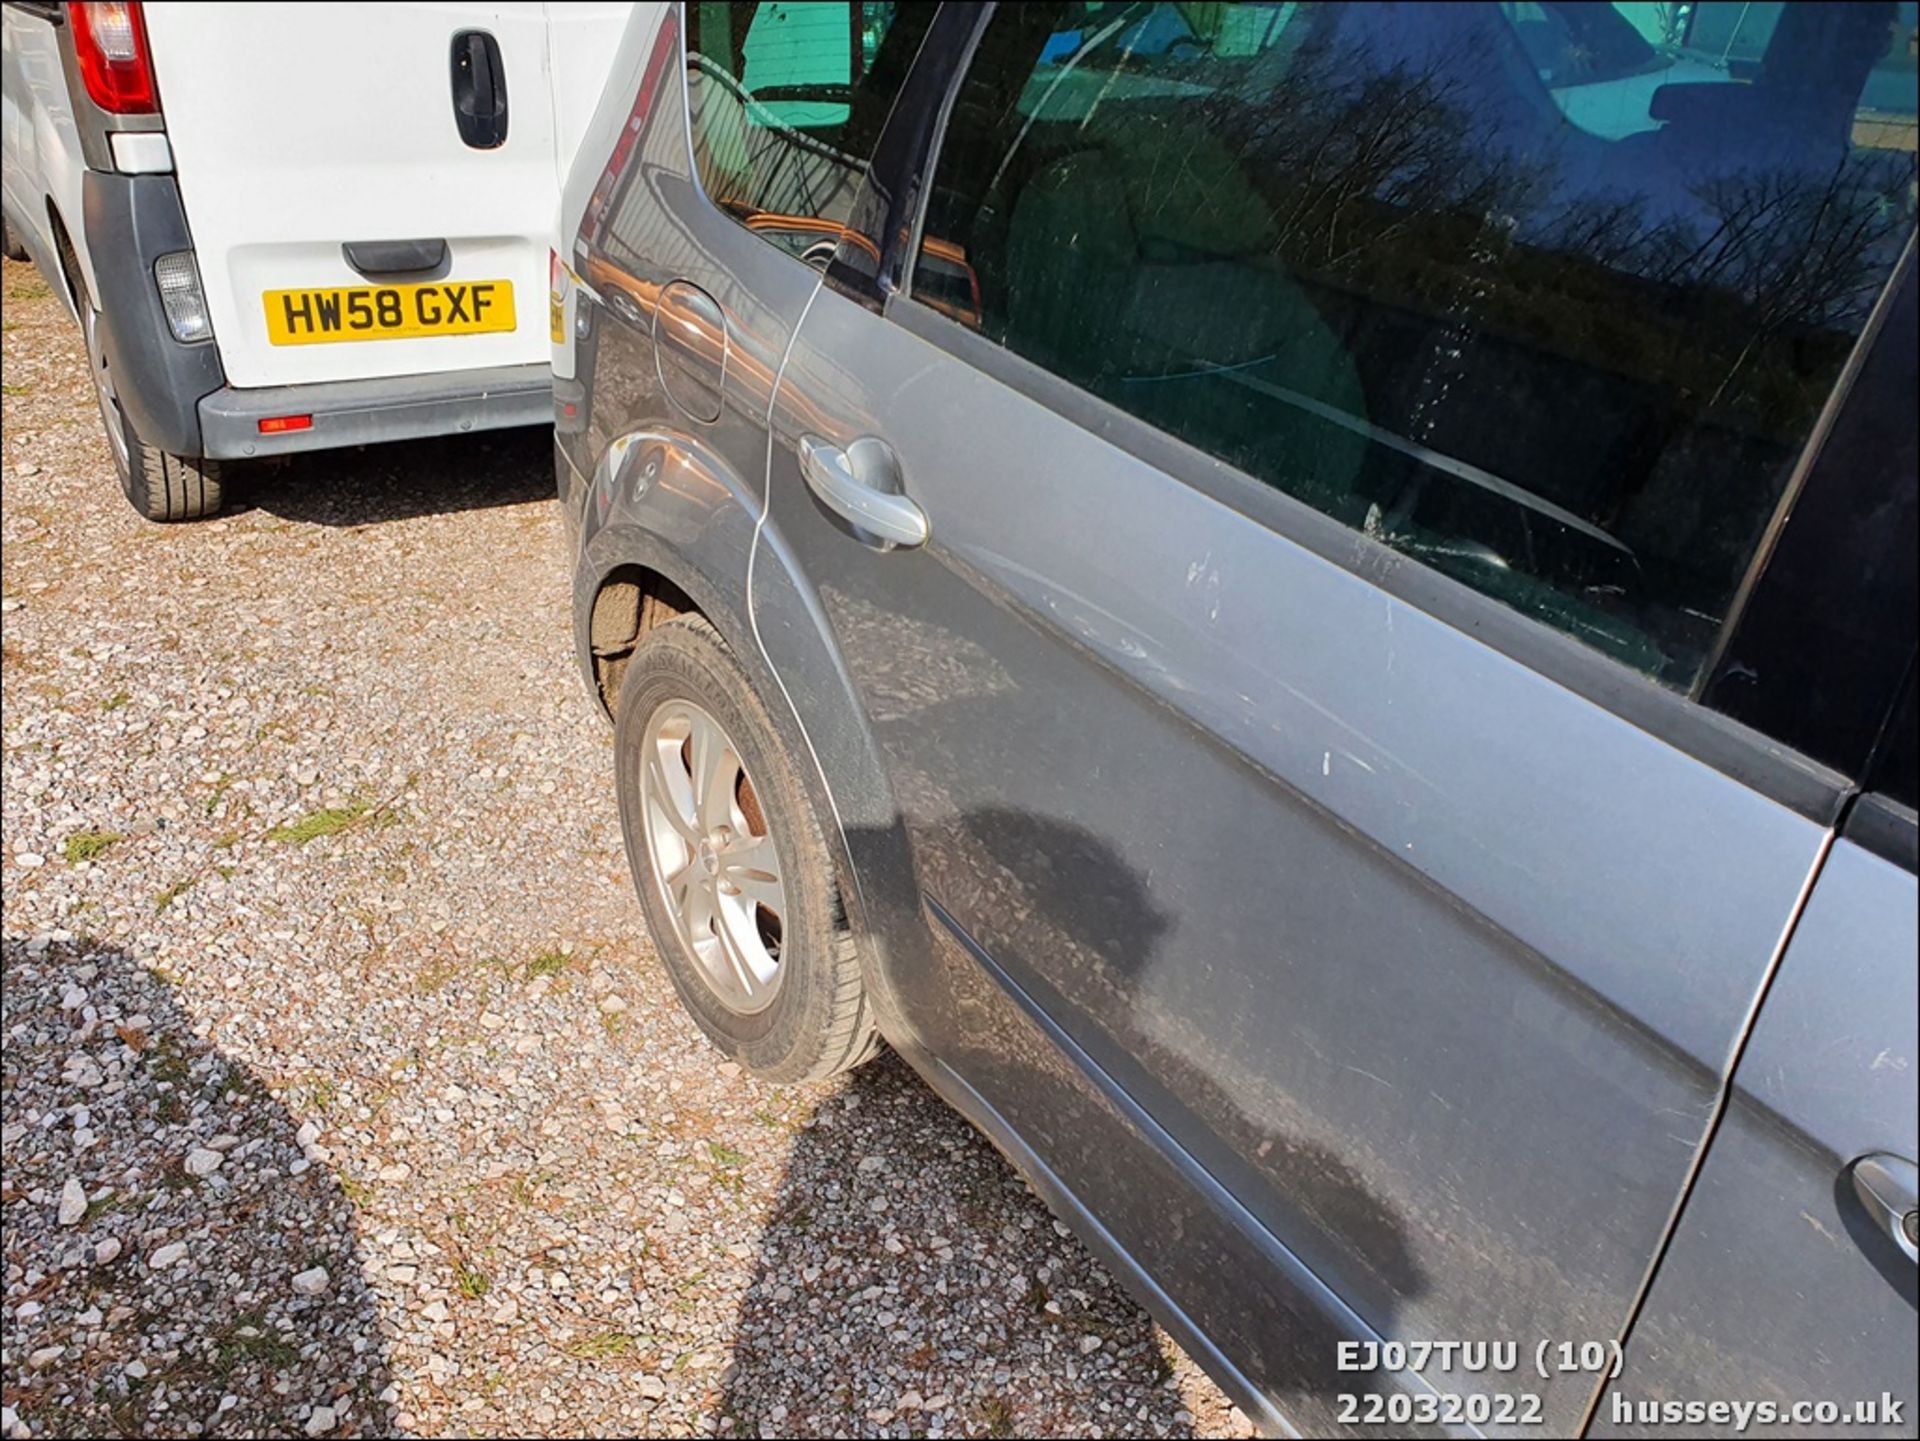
(110, 41)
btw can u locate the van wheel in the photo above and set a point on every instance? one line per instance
(729, 861)
(158, 485)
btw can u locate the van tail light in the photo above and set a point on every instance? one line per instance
(110, 42)
(664, 45)
(181, 297)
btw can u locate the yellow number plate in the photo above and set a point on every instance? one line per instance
(388, 312)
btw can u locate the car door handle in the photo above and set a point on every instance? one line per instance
(1886, 1186)
(842, 480)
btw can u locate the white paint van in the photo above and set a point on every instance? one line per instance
(289, 227)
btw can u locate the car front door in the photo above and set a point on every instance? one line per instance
(1277, 581)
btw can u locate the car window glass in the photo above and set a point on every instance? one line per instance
(787, 101)
(1545, 296)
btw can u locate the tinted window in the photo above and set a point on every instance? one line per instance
(787, 102)
(1547, 296)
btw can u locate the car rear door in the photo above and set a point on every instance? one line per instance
(298, 130)
(1306, 874)
(1790, 1282)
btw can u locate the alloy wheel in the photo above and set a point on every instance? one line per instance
(713, 857)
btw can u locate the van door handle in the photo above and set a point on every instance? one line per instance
(377, 259)
(1887, 1188)
(845, 482)
(479, 90)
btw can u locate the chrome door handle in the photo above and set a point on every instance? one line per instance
(1886, 1186)
(834, 475)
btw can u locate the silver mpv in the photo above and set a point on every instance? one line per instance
(1310, 609)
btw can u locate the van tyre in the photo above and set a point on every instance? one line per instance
(159, 485)
(10, 245)
(169, 487)
(736, 880)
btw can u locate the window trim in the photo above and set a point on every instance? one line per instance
(1686, 720)
(891, 203)
(1765, 665)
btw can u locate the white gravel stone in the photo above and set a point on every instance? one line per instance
(168, 1255)
(203, 1161)
(321, 1421)
(312, 1282)
(73, 1202)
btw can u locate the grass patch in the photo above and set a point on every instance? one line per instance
(322, 1092)
(107, 1205)
(168, 1064)
(355, 1191)
(250, 1341)
(116, 701)
(996, 1416)
(469, 1282)
(526, 1189)
(547, 963)
(28, 290)
(172, 893)
(602, 1346)
(726, 1155)
(228, 840)
(88, 845)
(328, 822)
(16, 390)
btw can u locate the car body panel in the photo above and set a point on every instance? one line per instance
(1826, 1080)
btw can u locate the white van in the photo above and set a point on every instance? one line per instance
(290, 227)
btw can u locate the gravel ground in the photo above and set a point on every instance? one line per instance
(343, 1093)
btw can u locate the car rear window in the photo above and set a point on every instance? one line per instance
(787, 101)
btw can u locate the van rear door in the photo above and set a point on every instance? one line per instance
(312, 142)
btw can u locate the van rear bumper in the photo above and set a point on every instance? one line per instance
(361, 412)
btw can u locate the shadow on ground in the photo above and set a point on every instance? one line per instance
(170, 1298)
(988, 1323)
(364, 485)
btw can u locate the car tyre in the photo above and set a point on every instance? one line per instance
(160, 485)
(812, 1017)
(10, 245)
